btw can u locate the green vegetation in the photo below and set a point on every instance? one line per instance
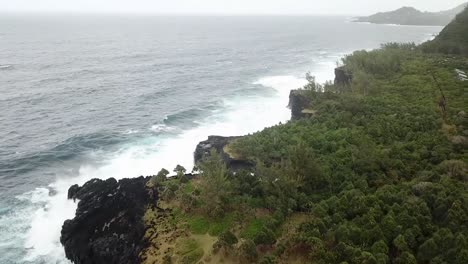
(189, 250)
(247, 251)
(453, 39)
(378, 168)
(214, 185)
(221, 225)
(253, 228)
(198, 225)
(159, 178)
(377, 175)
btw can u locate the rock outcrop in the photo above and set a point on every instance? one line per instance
(298, 101)
(343, 77)
(219, 143)
(108, 226)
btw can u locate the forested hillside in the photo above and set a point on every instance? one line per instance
(381, 167)
(453, 39)
(377, 174)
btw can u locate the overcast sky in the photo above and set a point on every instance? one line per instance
(349, 7)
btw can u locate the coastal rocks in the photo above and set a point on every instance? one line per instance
(343, 77)
(219, 144)
(108, 226)
(298, 102)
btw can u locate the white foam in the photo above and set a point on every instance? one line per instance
(162, 128)
(131, 131)
(43, 237)
(283, 84)
(243, 115)
(6, 67)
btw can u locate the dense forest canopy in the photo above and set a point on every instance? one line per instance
(386, 175)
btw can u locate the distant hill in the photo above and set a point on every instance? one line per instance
(412, 16)
(453, 39)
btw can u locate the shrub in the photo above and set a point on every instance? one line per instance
(229, 238)
(265, 237)
(247, 251)
(198, 225)
(159, 178)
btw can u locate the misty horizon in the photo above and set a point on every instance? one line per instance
(214, 8)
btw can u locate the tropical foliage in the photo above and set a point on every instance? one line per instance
(377, 175)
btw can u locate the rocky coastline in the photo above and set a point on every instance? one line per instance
(108, 226)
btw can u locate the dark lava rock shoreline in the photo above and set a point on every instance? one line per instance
(108, 226)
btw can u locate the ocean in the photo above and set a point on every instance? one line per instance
(99, 96)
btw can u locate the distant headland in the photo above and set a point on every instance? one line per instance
(413, 16)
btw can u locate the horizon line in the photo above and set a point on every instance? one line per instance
(138, 13)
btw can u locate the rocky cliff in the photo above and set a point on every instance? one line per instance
(219, 144)
(108, 226)
(342, 76)
(298, 101)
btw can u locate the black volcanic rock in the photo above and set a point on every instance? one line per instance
(297, 103)
(218, 143)
(108, 226)
(343, 77)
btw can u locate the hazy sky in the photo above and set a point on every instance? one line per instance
(351, 7)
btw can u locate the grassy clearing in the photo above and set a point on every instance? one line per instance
(198, 225)
(253, 228)
(188, 187)
(189, 250)
(202, 225)
(222, 225)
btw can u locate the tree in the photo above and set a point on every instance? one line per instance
(215, 186)
(302, 168)
(228, 237)
(312, 84)
(379, 247)
(406, 258)
(427, 250)
(247, 251)
(225, 241)
(179, 169)
(265, 237)
(169, 191)
(366, 258)
(400, 243)
(160, 177)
